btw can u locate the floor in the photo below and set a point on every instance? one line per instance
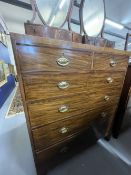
(104, 158)
(15, 149)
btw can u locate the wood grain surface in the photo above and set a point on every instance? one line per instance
(90, 100)
(51, 134)
(45, 112)
(48, 32)
(45, 85)
(105, 63)
(34, 58)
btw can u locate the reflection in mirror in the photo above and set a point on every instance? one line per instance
(93, 17)
(76, 17)
(54, 12)
(75, 28)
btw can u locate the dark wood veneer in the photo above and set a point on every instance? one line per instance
(49, 135)
(34, 58)
(92, 100)
(98, 41)
(45, 112)
(52, 32)
(124, 98)
(46, 86)
(49, 32)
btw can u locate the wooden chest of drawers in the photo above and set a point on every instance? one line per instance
(68, 91)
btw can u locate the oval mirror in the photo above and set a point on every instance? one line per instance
(93, 15)
(54, 12)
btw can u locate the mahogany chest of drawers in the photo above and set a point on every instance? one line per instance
(68, 90)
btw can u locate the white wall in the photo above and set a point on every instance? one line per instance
(14, 18)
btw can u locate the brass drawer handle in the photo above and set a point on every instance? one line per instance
(103, 114)
(63, 109)
(109, 80)
(63, 61)
(107, 98)
(63, 130)
(63, 85)
(113, 63)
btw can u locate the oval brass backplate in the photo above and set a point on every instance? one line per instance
(63, 61)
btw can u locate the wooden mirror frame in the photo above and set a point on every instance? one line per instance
(82, 30)
(69, 35)
(37, 12)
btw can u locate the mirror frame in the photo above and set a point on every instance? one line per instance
(80, 10)
(82, 30)
(36, 11)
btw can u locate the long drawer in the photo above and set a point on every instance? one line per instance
(55, 154)
(48, 111)
(42, 58)
(55, 132)
(45, 85)
(110, 62)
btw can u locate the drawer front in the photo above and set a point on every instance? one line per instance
(67, 148)
(45, 85)
(48, 32)
(107, 81)
(34, 59)
(110, 62)
(55, 132)
(45, 112)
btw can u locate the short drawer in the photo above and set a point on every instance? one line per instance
(110, 62)
(55, 132)
(105, 81)
(48, 111)
(42, 58)
(48, 85)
